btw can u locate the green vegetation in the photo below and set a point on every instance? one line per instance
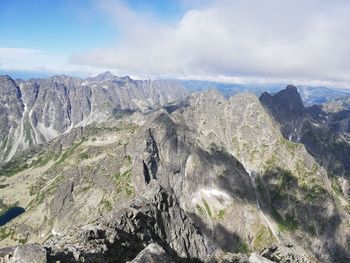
(12, 168)
(5, 233)
(200, 209)
(84, 156)
(336, 185)
(68, 152)
(315, 192)
(25, 162)
(272, 163)
(41, 195)
(42, 161)
(263, 238)
(128, 160)
(130, 190)
(282, 184)
(94, 129)
(242, 248)
(123, 183)
(309, 182)
(37, 186)
(347, 208)
(221, 214)
(289, 223)
(206, 206)
(291, 146)
(106, 204)
(23, 241)
(123, 180)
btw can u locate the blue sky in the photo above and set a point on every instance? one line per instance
(53, 26)
(60, 28)
(306, 42)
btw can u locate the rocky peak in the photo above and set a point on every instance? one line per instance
(207, 97)
(8, 86)
(104, 76)
(291, 88)
(285, 105)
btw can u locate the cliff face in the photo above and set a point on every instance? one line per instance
(324, 134)
(39, 110)
(205, 179)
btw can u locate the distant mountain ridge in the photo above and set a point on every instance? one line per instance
(38, 110)
(309, 95)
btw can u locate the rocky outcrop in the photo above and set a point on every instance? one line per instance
(286, 253)
(156, 218)
(30, 253)
(287, 108)
(153, 253)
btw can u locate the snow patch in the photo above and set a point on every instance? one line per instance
(216, 198)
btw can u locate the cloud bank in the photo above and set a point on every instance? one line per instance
(290, 39)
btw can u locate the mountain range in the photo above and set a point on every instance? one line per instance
(112, 169)
(38, 110)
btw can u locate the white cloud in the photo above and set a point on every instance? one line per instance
(290, 39)
(33, 60)
(26, 58)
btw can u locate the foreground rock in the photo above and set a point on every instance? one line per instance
(156, 218)
(30, 253)
(153, 253)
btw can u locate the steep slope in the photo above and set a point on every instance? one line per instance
(71, 181)
(325, 135)
(39, 110)
(11, 115)
(293, 188)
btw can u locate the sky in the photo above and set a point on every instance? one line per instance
(294, 41)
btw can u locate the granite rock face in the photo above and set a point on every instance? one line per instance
(29, 253)
(38, 110)
(153, 253)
